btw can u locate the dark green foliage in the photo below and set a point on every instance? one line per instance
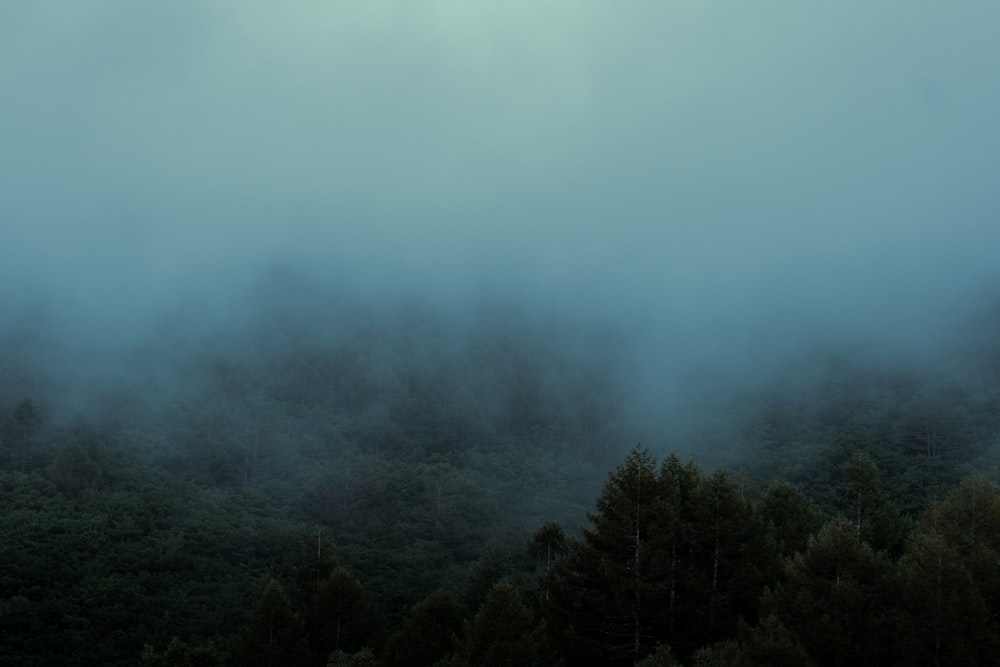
(661, 657)
(672, 557)
(771, 643)
(340, 618)
(720, 654)
(549, 544)
(333, 606)
(317, 566)
(791, 516)
(502, 633)
(950, 579)
(428, 633)
(875, 520)
(364, 657)
(941, 616)
(603, 596)
(495, 565)
(179, 654)
(73, 468)
(427, 456)
(835, 598)
(273, 635)
(138, 560)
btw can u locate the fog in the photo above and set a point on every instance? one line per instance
(708, 190)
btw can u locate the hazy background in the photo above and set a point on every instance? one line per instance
(717, 185)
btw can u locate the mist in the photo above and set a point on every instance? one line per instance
(411, 333)
(712, 190)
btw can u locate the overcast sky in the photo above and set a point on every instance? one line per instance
(715, 173)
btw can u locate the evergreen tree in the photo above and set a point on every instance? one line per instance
(733, 557)
(340, 618)
(604, 594)
(964, 533)
(771, 643)
(791, 515)
(427, 634)
(318, 563)
(940, 615)
(273, 635)
(503, 633)
(548, 544)
(876, 521)
(834, 598)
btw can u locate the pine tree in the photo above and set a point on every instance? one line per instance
(427, 633)
(604, 594)
(833, 598)
(273, 636)
(940, 615)
(548, 544)
(791, 515)
(340, 618)
(503, 633)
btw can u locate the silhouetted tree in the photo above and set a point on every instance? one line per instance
(834, 598)
(791, 515)
(503, 633)
(427, 634)
(273, 636)
(548, 544)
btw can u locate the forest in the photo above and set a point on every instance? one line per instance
(357, 334)
(354, 486)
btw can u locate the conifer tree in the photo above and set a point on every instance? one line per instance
(834, 598)
(503, 633)
(427, 633)
(940, 615)
(606, 593)
(791, 515)
(340, 618)
(273, 636)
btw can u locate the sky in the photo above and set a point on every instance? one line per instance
(724, 180)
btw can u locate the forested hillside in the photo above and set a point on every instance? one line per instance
(499, 333)
(405, 488)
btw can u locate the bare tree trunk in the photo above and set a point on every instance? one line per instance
(937, 625)
(636, 641)
(437, 512)
(673, 582)
(858, 525)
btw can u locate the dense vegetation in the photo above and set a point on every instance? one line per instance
(400, 489)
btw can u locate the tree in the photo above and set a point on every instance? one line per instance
(964, 533)
(502, 633)
(361, 658)
(670, 558)
(548, 544)
(317, 566)
(427, 634)
(732, 557)
(492, 567)
(273, 636)
(834, 599)
(340, 619)
(791, 515)
(771, 643)
(604, 598)
(180, 654)
(875, 520)
(940, 616)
